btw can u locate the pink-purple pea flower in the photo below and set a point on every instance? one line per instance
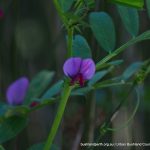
(79, 70)
(17, 90)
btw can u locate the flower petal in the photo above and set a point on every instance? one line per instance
(17, 90)
(87, 69)
(72, 66)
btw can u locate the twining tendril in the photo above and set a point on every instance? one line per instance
(132, 115)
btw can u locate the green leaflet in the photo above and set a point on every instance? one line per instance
(38, 85)
(81, 47)
(11, 127)
(130, 19)
(52, 91)
(103, 29)
(129, 3)
(65, 4)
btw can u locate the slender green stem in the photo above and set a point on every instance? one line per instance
(105, 85)
(67, 88)
(66, 23)
(60, 12)
(43, 104)
(111, 55)
(58, 118)
(70, 41)
(143, 36)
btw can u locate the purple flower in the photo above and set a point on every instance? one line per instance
(79, 70)
(17, 90)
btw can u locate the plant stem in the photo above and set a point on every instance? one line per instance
(58, 118)
(66, 23)
(60, 12)
(143, 36)
(70, 41)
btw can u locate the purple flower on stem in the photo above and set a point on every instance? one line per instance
(79, 70)
(17, 90)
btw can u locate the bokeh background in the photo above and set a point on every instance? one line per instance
(32, 39)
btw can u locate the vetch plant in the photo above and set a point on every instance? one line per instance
(83, 66)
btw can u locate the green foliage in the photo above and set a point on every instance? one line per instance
(11, 127)
(117, 81)
(90, 85)
(16, 111)
(3, 109)
(129, 3)
(130, 19)
(148, 7)
(142, 37)
(111, 63)
(90, 3)
(61, 108)
(52, 91)
(81, 47)
(138, 93)
(116, 62)
(1, 147)
(38, 85)
(103, 29)
(13, 119)
(99, 75)
(81, 91)
(7, 111)
(109, 83)
(132, 69)
(65, 4)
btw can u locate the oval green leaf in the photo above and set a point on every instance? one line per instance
(11, 127)
(130, 19)
(81, 47)
(99, 75)
(38, 85)
(132, 69)
(65, 4)
(81, 91)
(52, 91)
(103, 29)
